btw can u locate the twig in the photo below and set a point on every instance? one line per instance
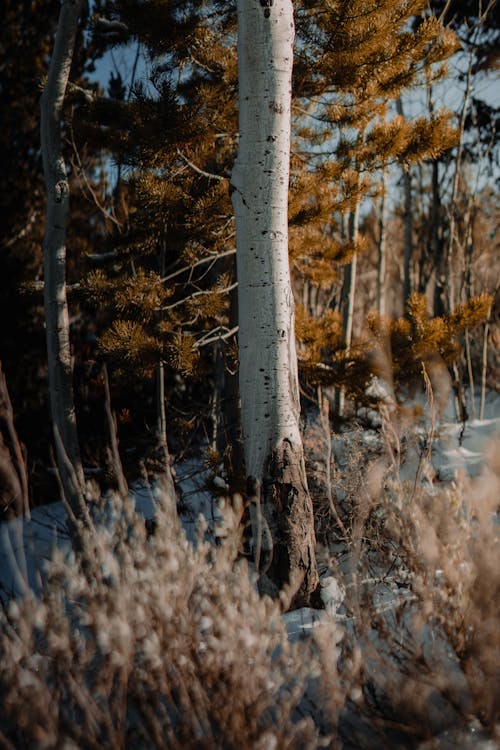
(200, 293)
(214, 257)
(210, 175)
(216, 336)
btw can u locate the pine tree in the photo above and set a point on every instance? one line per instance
(176, 142)
(362, 57)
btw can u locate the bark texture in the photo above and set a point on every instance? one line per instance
(288, 513)
(267, 356)
(54, 248)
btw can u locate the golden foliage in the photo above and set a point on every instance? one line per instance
(95, 287)
(317, 335)
(417, 340)
(140, 296)
(472, 312)
(182, 355)
(399, 350)
(129, 343)
(212, 303)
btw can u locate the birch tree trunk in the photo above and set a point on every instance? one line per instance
(347, 298)
(382, 249)
(408, 225)
(161, 415)
(267, 357)
(54, 251)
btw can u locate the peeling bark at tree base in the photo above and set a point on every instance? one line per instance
(287, 514)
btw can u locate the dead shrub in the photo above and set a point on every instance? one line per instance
(152, 643)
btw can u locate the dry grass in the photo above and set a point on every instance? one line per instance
(421, 565)
(148, 642)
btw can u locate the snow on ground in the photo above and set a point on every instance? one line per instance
(26, 544)
(456, 447)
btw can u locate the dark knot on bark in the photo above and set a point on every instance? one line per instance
(266, 4)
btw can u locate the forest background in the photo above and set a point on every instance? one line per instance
(133, 636)
(393, 212)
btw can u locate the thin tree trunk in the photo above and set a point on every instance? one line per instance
(467, 290)
(470, 372)
(408, 226)
(435, 250)
(56, 307)
(113, 438)
(347, 298)
(168, 484)
(217, 398)
(382, 251)
(447, 272)
(161, 415)
(484, 368)
(351, 279)
(268, 363)
(161, 411)
(408, 251)
(435, 236)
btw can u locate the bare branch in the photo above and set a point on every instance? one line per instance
(209, 258)
(210, 175)
(217, 334)
(201, 292)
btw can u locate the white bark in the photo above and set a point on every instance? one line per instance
(56, 307)
(408, 225)
(348, 297)
(268, 363)
(382, 250)
(267, 357)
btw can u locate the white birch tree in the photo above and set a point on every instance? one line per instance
(54, 251)
(267, 358)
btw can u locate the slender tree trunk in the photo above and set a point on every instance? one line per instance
(347, 298)
(350, 280)
(470, 372)
(435, 235)
(434, 253)
(408, 251)
(408, 226)
(218, 439)
(116, 462)
(447, 275)
(382, 251)
(56, 307)
(161, 411)
(268, 363)
(484, 367)
(161, 434)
